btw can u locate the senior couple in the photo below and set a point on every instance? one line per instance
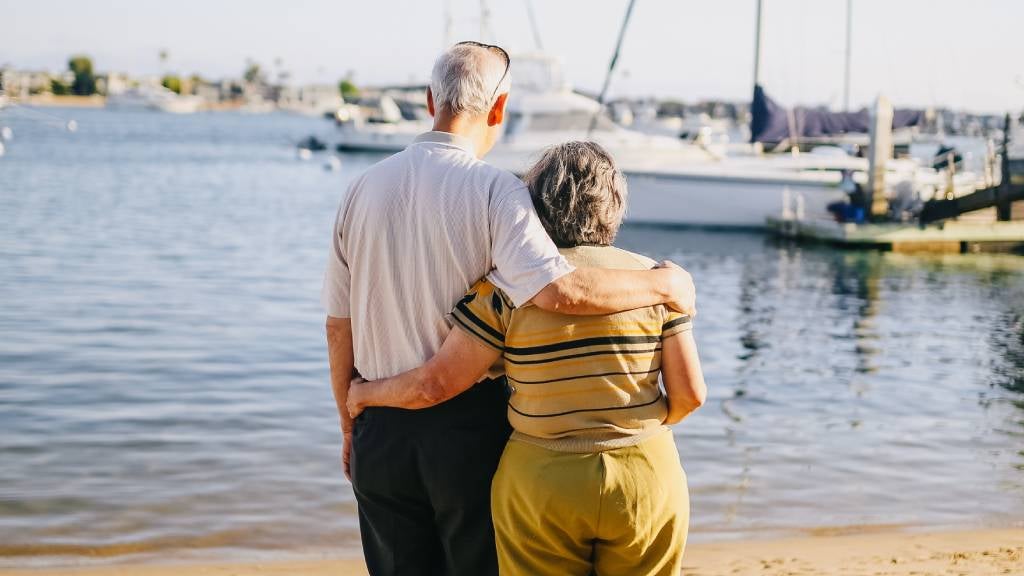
(503, 374)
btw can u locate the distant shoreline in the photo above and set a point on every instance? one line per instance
(892, 553)
(68, 101)
(98, 101)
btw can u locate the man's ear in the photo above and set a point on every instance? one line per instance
(430, 102)
(497, 114)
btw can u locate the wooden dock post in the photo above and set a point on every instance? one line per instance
(1004, 194)
(879, 151)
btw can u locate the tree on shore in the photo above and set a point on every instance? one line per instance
(85, 82)
(172, 83)
(253, 74)
(348, 89)
(59, 88)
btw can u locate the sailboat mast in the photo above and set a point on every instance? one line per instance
(611, 69)
(533, 26)
(449, 25)
(485, 22)
(757, 46)
(849, 43)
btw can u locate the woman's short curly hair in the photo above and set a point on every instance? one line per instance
(579, 194)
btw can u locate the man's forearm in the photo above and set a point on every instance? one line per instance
(588, 291)
(339, 351)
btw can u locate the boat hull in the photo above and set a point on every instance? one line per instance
(721, 202)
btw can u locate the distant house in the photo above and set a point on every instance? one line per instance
(313, 99)
(21, 84)
(113, 83)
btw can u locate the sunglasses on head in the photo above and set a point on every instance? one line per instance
(497, 50)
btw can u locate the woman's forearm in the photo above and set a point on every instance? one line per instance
(680, 408)
(414, 389)
(683, 377)
(460, 363)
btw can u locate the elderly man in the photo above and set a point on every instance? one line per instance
(413, 233)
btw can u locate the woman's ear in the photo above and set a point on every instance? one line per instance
(497, 114)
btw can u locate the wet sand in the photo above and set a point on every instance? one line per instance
(978, 552)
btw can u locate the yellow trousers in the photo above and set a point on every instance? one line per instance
(622, 512)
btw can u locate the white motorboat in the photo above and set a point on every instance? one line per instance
(153, 97)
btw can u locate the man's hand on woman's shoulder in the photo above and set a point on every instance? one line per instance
(683, 294)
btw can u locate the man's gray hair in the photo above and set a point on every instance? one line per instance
(579, 194)
(465, 78)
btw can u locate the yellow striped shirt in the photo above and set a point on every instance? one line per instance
(579, 383)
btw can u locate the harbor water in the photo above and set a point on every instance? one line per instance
(164, 385)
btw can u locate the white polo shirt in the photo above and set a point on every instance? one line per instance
(414, 232)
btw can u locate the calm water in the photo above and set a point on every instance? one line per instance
(164, 385)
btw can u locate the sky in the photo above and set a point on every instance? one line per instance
(965, 54)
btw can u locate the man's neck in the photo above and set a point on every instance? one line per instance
(471, 128)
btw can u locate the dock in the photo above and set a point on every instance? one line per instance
(947, 236)
(987, 220)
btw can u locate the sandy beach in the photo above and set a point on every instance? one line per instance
(978, 552)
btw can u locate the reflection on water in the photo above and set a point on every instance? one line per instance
(850, 388)
(1007, 341)
(163, 382)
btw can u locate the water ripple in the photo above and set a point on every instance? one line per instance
(163, 379)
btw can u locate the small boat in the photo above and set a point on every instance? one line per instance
(153, 97)
(312, 143)
(385, 123)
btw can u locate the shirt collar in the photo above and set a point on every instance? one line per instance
(438, 137)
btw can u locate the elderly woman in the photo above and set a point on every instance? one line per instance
(590, 481)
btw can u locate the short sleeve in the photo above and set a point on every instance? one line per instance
(334, 295)
(675, 323)
(525, 259)
(484, 314)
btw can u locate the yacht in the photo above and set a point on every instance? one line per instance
(699, 182)
(153, 97)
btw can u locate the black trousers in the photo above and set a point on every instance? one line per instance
(422, 480)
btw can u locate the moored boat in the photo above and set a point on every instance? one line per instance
(153, 97)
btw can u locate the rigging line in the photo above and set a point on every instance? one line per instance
(44, 118)
(533, 26)
(611, 69)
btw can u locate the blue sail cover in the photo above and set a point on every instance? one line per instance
(770, 122)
